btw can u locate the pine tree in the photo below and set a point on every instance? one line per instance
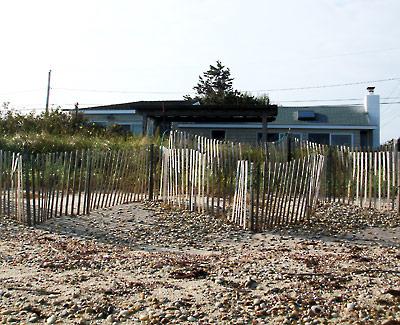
(215, 87)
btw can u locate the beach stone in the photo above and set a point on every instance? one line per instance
(391, 322)
(256, 301)
(351, 306)
(64, 313)
(52, 319)
(124, 313)
(316, 309)
(219, 304)
(143, 317)
(250, 283)
(33, 318)
(7, 312)
(192, 319)
(220, 281)
(12, 319)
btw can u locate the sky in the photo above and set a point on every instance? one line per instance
(106, 52)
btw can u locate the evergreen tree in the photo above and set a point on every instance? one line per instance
(215, 87)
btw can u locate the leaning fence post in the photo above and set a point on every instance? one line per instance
(289, 147)
(26, 163)
(251, 225)
(151, 172)
(88, 181)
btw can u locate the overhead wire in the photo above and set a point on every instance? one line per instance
(258, 90)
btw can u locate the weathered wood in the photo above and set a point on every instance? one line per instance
(27, 165)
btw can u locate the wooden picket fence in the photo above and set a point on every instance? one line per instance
(37, 187)
(255, 194)
(11, 188)
(256, 188)
(276, 183)
(363, 177)
(270, 194)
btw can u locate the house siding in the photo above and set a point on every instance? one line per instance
(251, 135)
(135, 121)
(247, 135)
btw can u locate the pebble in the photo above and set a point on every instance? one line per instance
(51, 320)
(12, 319)
(143, 317)
(316, 309)
(124, 313)
(33, 318)
(351, 306)
(256, 301)
(244, 275)
(219, 304)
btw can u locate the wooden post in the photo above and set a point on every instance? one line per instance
(26, 162)
(289, 147)
(264, 129)
(88, 181)
(151, 172)
(33, 189)
(251, 225)
(144, 130)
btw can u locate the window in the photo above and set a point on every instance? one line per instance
(292, 135)
(218, 134)
(321, 138)
(341, 140)
(365, 138)
(271, 137)
(124, 127)
(296, 136)
(99, 123)
(306, 115)
(137, 128)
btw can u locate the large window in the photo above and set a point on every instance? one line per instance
(341, 140)
(218, 134)
(124, 127)
(321, 138)
(333, 139)
(137, 128)
(271, 137)
(100, 123)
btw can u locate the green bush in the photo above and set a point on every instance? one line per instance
(57, 131)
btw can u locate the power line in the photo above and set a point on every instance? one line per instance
(328, 86)
(356, 53)
(123, 91)
(389, 103)
(328, 100)
(397, 87)
(288, 101)
(21, 91)
(392, 119)
(259, 90)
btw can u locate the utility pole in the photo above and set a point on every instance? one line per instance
(76, 110)
(48, 92)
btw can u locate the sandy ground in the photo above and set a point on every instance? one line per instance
(147, 264)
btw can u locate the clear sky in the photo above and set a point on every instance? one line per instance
(104, 52)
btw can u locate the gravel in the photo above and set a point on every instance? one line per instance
(148, 264)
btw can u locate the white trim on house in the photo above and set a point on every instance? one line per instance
(276, 126)
(107, 112)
